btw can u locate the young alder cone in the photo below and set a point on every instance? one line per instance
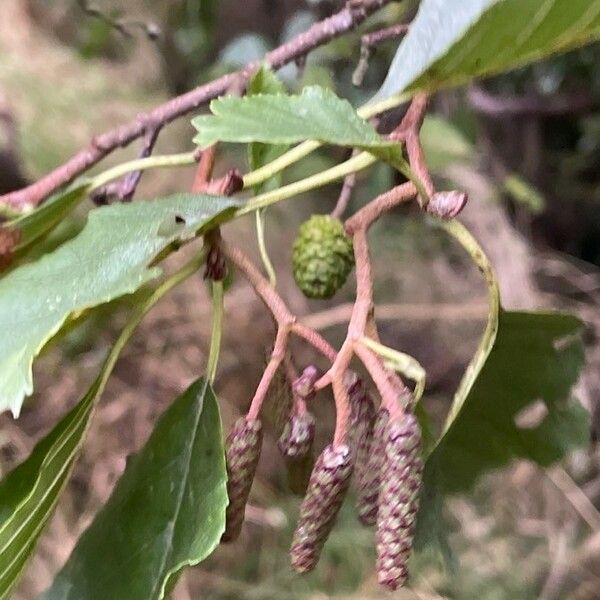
(322, 256)
(398, 500)
(243, 450)
(327, 487)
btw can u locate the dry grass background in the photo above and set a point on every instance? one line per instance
(523, 533)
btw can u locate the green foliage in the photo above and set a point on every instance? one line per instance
(29, 493)
(166, 512)
(109, 258)
(536, 357)
(449, 44)
(50, 214)
(265, 81)
(316, 114)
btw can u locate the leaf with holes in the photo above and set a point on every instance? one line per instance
(450, 43)
(166, 512)
(108, 259)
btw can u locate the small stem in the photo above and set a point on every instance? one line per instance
(380, 376)
(277, 357)
(315, 340)
(262, 247)
(267, 294)
(131, 181)
(402, 363)
(342, 403)
(345, 193)
(283, 161)
(205, 168)
(367, 215)
(352, 165)
(217, 331)
(141, 164)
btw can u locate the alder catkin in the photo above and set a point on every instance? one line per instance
(398, 500)
(243, 450)
(369, 476)
(327, 487)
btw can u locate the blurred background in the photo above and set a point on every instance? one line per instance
(526, 146)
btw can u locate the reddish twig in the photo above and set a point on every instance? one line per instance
(368, 42)
(345, 194)
(131, 181)
(318, 34)
(369, 213)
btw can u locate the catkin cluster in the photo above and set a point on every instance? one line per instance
(382, 452)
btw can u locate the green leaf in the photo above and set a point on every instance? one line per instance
(525, 365)
(316, 114)
(41, 221)
(109, 258)
(166, 512)
(29, 493)
(265, 81)
(450, 43)
(533, 365)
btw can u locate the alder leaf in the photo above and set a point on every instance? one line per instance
(265, 81)
(29, 493)
(109, 258)
(450, 43)
(525, 362)
(42, 220)
(166, 512)
(316, 114)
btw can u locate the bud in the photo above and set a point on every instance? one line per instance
(327, 487)
(243, 450)
(304, 386)
(369, 475)
(398, 500)
(298, 435)
(448, 204)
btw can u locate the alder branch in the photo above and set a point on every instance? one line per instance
(345, 20)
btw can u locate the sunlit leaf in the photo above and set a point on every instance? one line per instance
(450, 43)
(109, 258)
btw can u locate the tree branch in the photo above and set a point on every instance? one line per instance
(320, 33)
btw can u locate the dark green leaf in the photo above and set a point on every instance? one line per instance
(109, 258)
(450, 43)
(166, 512)
(535, 360)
